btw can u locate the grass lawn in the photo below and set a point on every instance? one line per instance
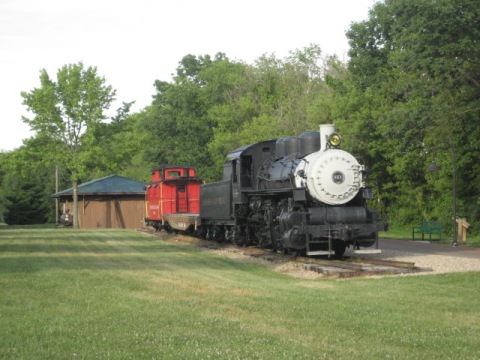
(112, 294)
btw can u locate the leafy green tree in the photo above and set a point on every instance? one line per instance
(26, 205)
(66, 112)
(416, 64)
(179, 122)
(215, 105)
(27, 184)
(3, 172)
(123, 146)
(273, 98)
(121, 143)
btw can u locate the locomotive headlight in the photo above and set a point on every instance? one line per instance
(334, 139)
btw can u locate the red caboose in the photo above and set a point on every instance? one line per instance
(173, 198)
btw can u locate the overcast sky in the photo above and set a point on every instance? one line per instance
(134, 42)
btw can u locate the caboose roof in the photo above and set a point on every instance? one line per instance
(165, 167)
(111, 185)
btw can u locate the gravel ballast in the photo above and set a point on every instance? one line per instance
(435, 263)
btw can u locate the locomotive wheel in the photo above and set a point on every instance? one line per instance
(239, 236)
(297, 252)
(209, 234)
(229, 234)
(201, 233)
(218, 234)
(250, 238)
(339, 248)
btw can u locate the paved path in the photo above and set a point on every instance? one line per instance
(431, 248)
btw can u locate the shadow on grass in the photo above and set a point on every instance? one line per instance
(84, 253)
(118, 262)
(25, 227)
(87, 247)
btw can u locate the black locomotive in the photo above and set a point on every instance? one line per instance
(301, 195)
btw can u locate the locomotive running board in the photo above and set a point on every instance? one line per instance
(367, 251)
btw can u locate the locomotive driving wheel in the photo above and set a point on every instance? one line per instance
(218, 234)
(339, 248)
(239, 235)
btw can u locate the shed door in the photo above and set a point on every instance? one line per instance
(182, 199)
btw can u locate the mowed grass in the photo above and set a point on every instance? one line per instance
(68, 294)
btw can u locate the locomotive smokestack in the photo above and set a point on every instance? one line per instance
(325, 131)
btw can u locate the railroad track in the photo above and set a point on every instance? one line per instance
(358, 266)
(347, 267)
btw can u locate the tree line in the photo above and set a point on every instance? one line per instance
(408, 96)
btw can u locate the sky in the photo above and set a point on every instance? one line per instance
(132, 43)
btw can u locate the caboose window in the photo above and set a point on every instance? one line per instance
(173, 173)
(181, 187)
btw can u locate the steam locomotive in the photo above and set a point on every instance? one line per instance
(301, 195)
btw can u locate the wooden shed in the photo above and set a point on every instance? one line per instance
(110, 202)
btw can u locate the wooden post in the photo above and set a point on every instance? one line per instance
(75, 204)
(56, 199)
(463, 225)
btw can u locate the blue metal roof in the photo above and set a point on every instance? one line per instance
(112, 184)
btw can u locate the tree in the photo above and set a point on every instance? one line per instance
(66, 113)
(179, 120)
(26, 205)
(272, 99)
(27, 184)
(416, 64)
(123, 144)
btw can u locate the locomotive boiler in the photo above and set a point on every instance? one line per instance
(302, 195)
